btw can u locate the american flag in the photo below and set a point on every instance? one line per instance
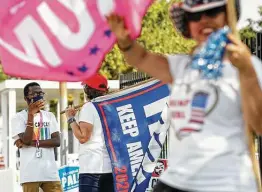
(199, 103)
(198, 106)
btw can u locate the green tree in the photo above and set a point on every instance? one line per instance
(158, 35)
(251, 29)
(3, 76)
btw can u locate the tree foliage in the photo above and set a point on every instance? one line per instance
(158, 35)
(2, 75)
(252, 28)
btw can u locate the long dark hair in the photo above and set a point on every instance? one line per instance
(92, 93)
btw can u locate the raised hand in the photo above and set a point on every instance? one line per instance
(34, 108)
(238, 54)
(70, 112)
(117, 26)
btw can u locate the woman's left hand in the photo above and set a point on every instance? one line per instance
(238, 54)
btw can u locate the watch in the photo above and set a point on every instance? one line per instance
(71, 120)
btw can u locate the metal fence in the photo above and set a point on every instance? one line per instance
(255, 45)
(133, 78)
(258, 53)
(251, 43)
(259, 45)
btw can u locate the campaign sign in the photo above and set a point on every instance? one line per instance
(135, 126)
(69, 176)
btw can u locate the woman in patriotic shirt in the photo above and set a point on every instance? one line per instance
(210, 153)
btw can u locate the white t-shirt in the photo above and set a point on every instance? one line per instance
(33, 169)
(93, 155)
(210, 153)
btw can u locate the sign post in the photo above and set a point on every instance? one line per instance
(63, 125)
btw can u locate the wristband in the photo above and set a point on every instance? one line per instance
(71, 120)
(127, 48)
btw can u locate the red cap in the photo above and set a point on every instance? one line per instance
(97, 81)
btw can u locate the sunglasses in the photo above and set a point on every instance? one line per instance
(209, 13)
(35, 94)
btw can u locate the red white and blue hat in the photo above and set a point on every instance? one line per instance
(177, 11)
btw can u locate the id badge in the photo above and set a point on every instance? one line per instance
(38, 153)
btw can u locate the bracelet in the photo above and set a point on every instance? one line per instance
(127, 48)
(71, 120)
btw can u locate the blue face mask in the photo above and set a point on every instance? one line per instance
(35, 99)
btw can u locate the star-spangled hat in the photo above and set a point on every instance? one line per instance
(177, 11)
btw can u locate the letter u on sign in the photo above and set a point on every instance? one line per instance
(69, 39)
(61, 40)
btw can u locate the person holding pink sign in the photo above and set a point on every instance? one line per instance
(209, 91)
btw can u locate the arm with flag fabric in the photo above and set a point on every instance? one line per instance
(250, 76)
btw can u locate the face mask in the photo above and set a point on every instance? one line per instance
(35, 99)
